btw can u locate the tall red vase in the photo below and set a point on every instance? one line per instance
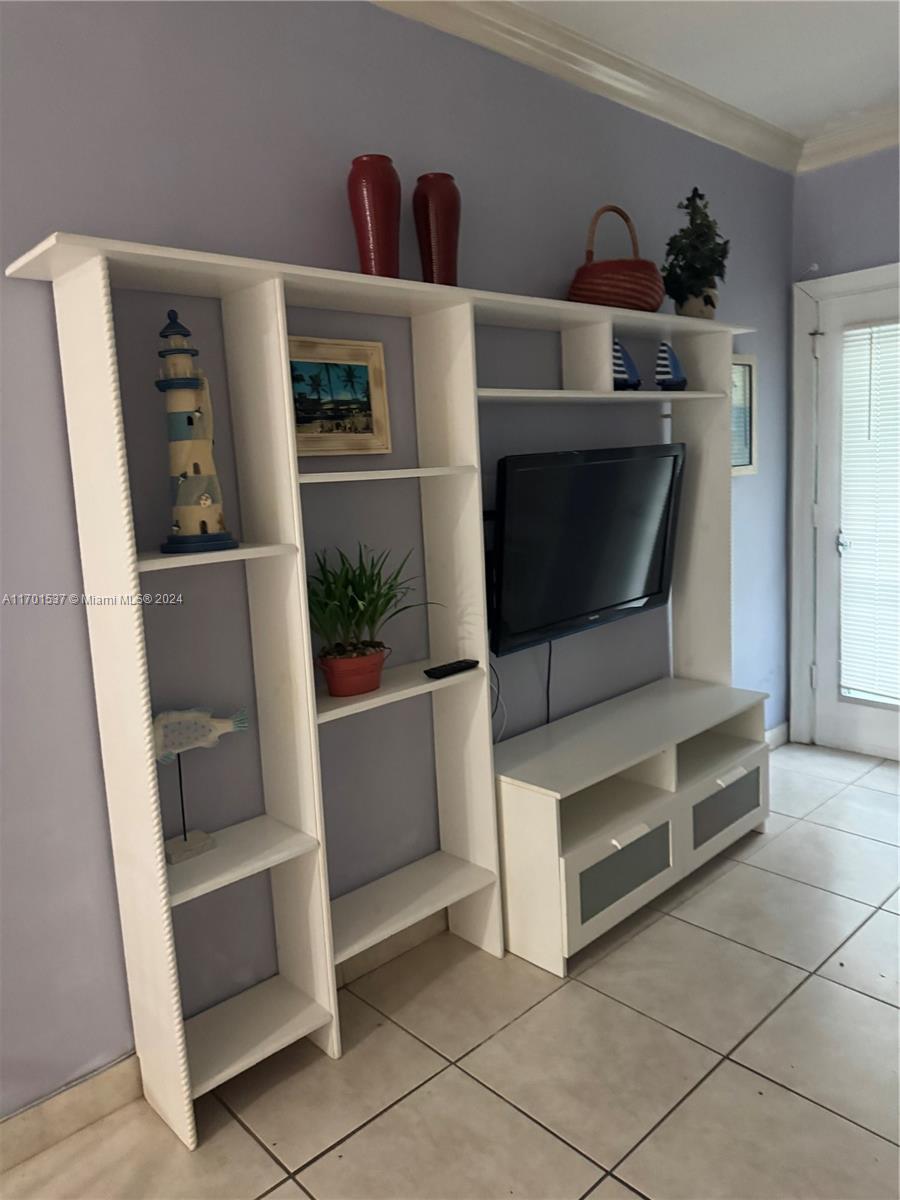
(374, 190)
(436, 206)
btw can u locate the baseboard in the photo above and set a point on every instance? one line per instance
(42, 1125)
(777, 737)
(392, 947)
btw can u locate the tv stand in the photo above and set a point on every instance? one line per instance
(602, 811)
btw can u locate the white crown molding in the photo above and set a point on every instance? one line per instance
(520, 34)
(874, 131)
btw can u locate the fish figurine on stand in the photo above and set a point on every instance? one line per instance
(669, 375)
(190, 729)
(625, 373)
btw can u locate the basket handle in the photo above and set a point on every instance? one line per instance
(592, 230)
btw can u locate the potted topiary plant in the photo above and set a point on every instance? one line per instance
(695, 259)
(349, 605)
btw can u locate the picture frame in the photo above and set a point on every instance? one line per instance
(340, 399)
(744, 459)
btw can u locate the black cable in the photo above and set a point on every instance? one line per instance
(496, 704)
(549, 669)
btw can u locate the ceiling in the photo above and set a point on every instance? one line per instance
(797, 84)
(805, 66)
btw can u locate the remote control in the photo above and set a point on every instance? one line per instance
(451, 668)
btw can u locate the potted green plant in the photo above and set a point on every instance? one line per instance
(695, 259)
(349, 605)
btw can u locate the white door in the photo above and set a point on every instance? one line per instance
(856, 678)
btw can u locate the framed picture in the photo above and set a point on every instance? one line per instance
(743, 415)
(340, 396)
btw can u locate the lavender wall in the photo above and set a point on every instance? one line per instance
(229, 127)
(846, 216)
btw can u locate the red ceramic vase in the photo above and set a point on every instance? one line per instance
(436, 208)
(374, 190)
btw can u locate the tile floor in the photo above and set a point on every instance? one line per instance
(738, 1040)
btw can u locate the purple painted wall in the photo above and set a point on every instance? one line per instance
(229, 127)
(846, 216)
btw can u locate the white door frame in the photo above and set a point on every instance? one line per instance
(804, 435)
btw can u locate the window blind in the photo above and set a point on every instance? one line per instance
(870, 481)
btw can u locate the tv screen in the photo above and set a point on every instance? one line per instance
(582, 537)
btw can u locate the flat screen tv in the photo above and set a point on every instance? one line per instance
(582, 537)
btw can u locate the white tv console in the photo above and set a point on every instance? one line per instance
(605, 809)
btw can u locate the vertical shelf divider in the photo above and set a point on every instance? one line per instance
(701, 579)
(447, 423)
(87, 345)
(256, 344)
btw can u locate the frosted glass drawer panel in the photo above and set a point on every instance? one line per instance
(725, 807)
(607, 880)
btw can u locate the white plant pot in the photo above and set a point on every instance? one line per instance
(700, 306)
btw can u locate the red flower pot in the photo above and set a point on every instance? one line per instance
(436, 206)
(353, 676)
(373, 187)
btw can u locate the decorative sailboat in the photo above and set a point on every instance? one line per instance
(625, 373)
(669, 375)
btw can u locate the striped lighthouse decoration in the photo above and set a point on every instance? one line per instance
(198, 522)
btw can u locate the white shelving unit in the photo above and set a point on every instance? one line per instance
(183, 1059)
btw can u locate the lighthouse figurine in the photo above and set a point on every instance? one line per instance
(198, 522)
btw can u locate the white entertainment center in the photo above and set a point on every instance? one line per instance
(599, 811)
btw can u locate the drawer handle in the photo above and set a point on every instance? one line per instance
(631, 836)
(731, 776)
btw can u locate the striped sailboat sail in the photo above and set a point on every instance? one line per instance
(669, 375)
(625, 375)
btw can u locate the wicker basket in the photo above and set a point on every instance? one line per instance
(617, 282)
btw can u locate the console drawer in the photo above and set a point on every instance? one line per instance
(729, 805)
(611, 877)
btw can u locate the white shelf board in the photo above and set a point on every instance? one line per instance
(240, 850)
(196, 273)
(367, 476)
(571, 754)
(709, 754)
(564, 396)
(398, 683)
(380, 909)
(165, 562)
(233, 1035)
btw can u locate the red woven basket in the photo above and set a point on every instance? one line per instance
(617, 282)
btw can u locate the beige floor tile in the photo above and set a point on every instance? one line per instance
(885, 777)
(453, 995)
(836, 1047)
(851, 866)
(789, 920)
(776, 823)
(824, 762)
(794, 794)
(287, 1191)
(869, 961)
(621, 933)
(300, 1101)
(694, 883)
(739, 1137)
(590, 1069)
(694, 981)
(892, 904)
(450, 1140)
(612, 1189)
(132, 1155)
(864, 811)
